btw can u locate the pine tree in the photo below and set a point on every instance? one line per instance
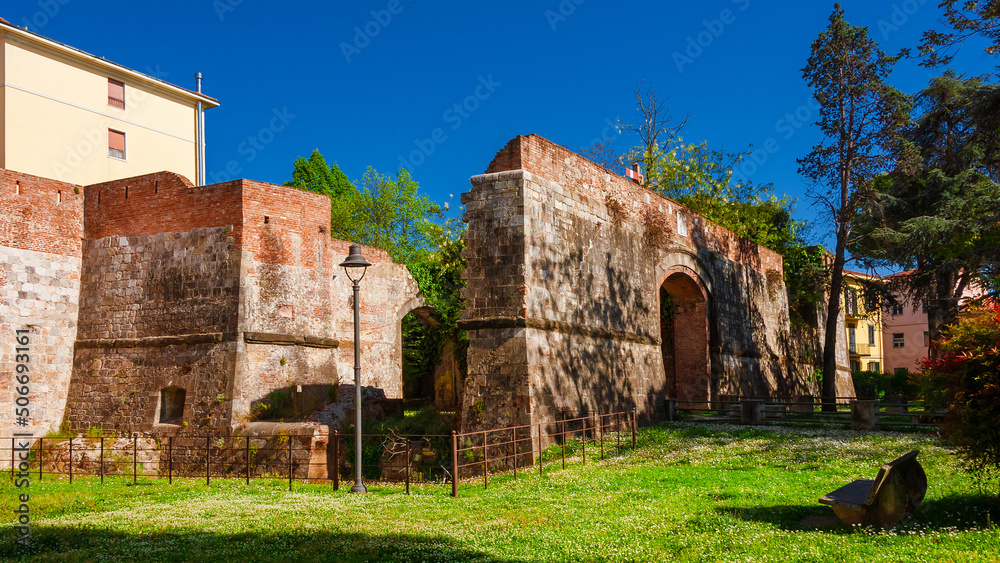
(859, 117)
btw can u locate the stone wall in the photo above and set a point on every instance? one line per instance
(566, 262)
(229, 292)
(388, 293)
(41, 226)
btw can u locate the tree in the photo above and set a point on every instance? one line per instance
(438, 272)
(965, 378)
(393, 216)
(702, 179)
(939, 219)
(966, 19)
(859, 117)
(315, 175)
(386, 212)
(656, 130)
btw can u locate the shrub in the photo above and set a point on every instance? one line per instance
(877, 385)
(965, 378)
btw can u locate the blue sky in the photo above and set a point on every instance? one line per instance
(377, 82)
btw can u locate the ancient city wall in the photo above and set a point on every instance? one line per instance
(41, 227)
(229, 292)
(159, 304)
(286, 307)
(566, 262)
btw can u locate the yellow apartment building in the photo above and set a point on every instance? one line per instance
(863, 324)
(71, 116)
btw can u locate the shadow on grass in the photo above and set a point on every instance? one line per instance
(96, 544)
(957, 512)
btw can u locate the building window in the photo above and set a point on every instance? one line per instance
(851, 302)
(897, 309)
(897, 340)
(871, 334)
(116, 144)
(923, 308)
(855, 365)
(874, 366)
(927, 339)
(172, 405)
(116, 93)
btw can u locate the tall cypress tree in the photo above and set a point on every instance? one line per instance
(860, 116)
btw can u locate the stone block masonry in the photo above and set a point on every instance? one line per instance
(205, 299)
(587, 292)
(41, 229)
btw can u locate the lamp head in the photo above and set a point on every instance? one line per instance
(354, 261)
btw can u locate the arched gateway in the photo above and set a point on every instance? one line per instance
(588, 293)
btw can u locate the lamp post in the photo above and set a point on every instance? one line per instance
(354, 262)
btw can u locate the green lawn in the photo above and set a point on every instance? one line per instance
(691, 493)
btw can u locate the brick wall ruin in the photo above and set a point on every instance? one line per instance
(41, 228)
(211, 297)
(567, 262)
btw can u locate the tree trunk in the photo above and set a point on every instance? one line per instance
(829, 393)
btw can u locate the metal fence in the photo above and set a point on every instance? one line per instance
(805, 410)
(389, 458)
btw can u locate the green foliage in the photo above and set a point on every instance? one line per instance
(385, 212)
(389, 213)
(438, 273)
(859, 117)
(938, 217)
(702, 179)
(278, 405)
(878, 385)
(965, 378)
(966, 19)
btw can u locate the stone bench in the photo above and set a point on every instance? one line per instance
(897, 490)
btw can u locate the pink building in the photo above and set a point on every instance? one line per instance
(906, 339)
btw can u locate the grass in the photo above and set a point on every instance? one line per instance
(691, 493)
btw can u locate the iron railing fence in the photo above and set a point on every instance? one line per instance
(436, 459)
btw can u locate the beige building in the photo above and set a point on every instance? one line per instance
(71, 116)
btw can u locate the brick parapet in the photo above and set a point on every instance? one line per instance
(40, 214)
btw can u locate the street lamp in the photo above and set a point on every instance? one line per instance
(354, 262)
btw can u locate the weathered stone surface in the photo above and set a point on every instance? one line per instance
(566, 265)
(227, 291)
(41, 226)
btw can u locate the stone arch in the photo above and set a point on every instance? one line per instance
(442, 385)
(689, 337)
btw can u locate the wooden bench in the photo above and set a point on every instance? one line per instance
(897, 490)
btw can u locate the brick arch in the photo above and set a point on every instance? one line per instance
(688, 334)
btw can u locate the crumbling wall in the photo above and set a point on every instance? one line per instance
(229, 292)
(41, 227)
(159, 302)
(565, 265)
(388, 293)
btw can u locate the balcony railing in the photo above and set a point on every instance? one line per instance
(116, 102)
(859, 349)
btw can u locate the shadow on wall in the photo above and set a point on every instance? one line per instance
(604, 353)
(597, 355)
(751, 302)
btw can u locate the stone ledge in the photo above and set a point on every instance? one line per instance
(290, 340)
(151, 341)
(556, 326)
